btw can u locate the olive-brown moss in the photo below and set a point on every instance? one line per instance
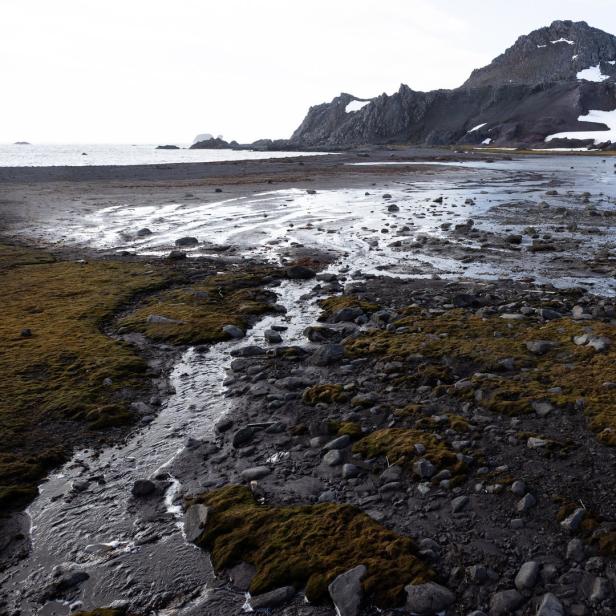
(331, 305)
(307, 546)
(398, 446)
(54, 374)
(201, 311)
(325, 393)
(476, 345)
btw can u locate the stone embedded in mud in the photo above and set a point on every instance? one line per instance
(526, 503)
(274, 598)
(243, 436)
(540, 347)
(550, 606)
(573, 521)
(327, 354)
(234, 331)
(505, 602)
(142, 488)
(184, 242)
(527, 575)
(195, 519)
(248, 351)
(299, 272)
(272, 336)
(428, 599)
(333, 458)
(346, 591)
(338, 443)
(459, 503)
(256, 472)
(177, 255)
(424, 468)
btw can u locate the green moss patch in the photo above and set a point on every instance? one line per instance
(462, 343)
(398, 446)
(307, 546)
(55, 361)
(331, 305)
(325, 393)
(197, 314)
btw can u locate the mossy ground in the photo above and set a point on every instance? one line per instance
(203, 309)
(325, 393)
(331, 305)
(55, 376)
(307, 546)
(398, 446)
(439, 349)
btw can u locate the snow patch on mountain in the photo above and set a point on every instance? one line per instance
(356, 106)
(599, 136)
(592, 73)
(562, 40)
(477, 127)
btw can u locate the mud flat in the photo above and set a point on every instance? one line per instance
(369, 388)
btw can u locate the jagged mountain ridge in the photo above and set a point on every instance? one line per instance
(536, 88)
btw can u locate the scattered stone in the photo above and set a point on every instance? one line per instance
(575, 550)
(505, 602)
(142, 488)
(526, 503)
(274, 598)
(428, 599)
(540, 347)
(299, 272)
(424, 468)
(233, 331)
(527, 575)
(459, 504)
(185, 242)
(243, 436)
(256, 472)
(601, 590)
(338, 443)
(550, 606)
(272, 336)
(573, 521)
(327, 354)
(333, 458)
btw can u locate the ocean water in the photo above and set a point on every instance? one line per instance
(96, 154)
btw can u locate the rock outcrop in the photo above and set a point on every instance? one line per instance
(539, 87)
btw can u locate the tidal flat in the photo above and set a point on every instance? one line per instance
(295, 385)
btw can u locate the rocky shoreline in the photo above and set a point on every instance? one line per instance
(519, 514)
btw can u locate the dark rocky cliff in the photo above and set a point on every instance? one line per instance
(531, 91)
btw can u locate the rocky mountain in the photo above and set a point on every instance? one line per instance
(536, 90)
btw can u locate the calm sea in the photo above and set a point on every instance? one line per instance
(54, 155)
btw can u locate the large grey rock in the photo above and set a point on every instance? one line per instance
(428, 599)
(505, 602)
(346, 591)
(243, 435)
(195, 519)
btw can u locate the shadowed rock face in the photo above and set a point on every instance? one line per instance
(529, 92)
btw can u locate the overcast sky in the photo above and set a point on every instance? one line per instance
(153, 71)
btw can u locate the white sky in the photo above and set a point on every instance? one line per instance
(154, 71)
